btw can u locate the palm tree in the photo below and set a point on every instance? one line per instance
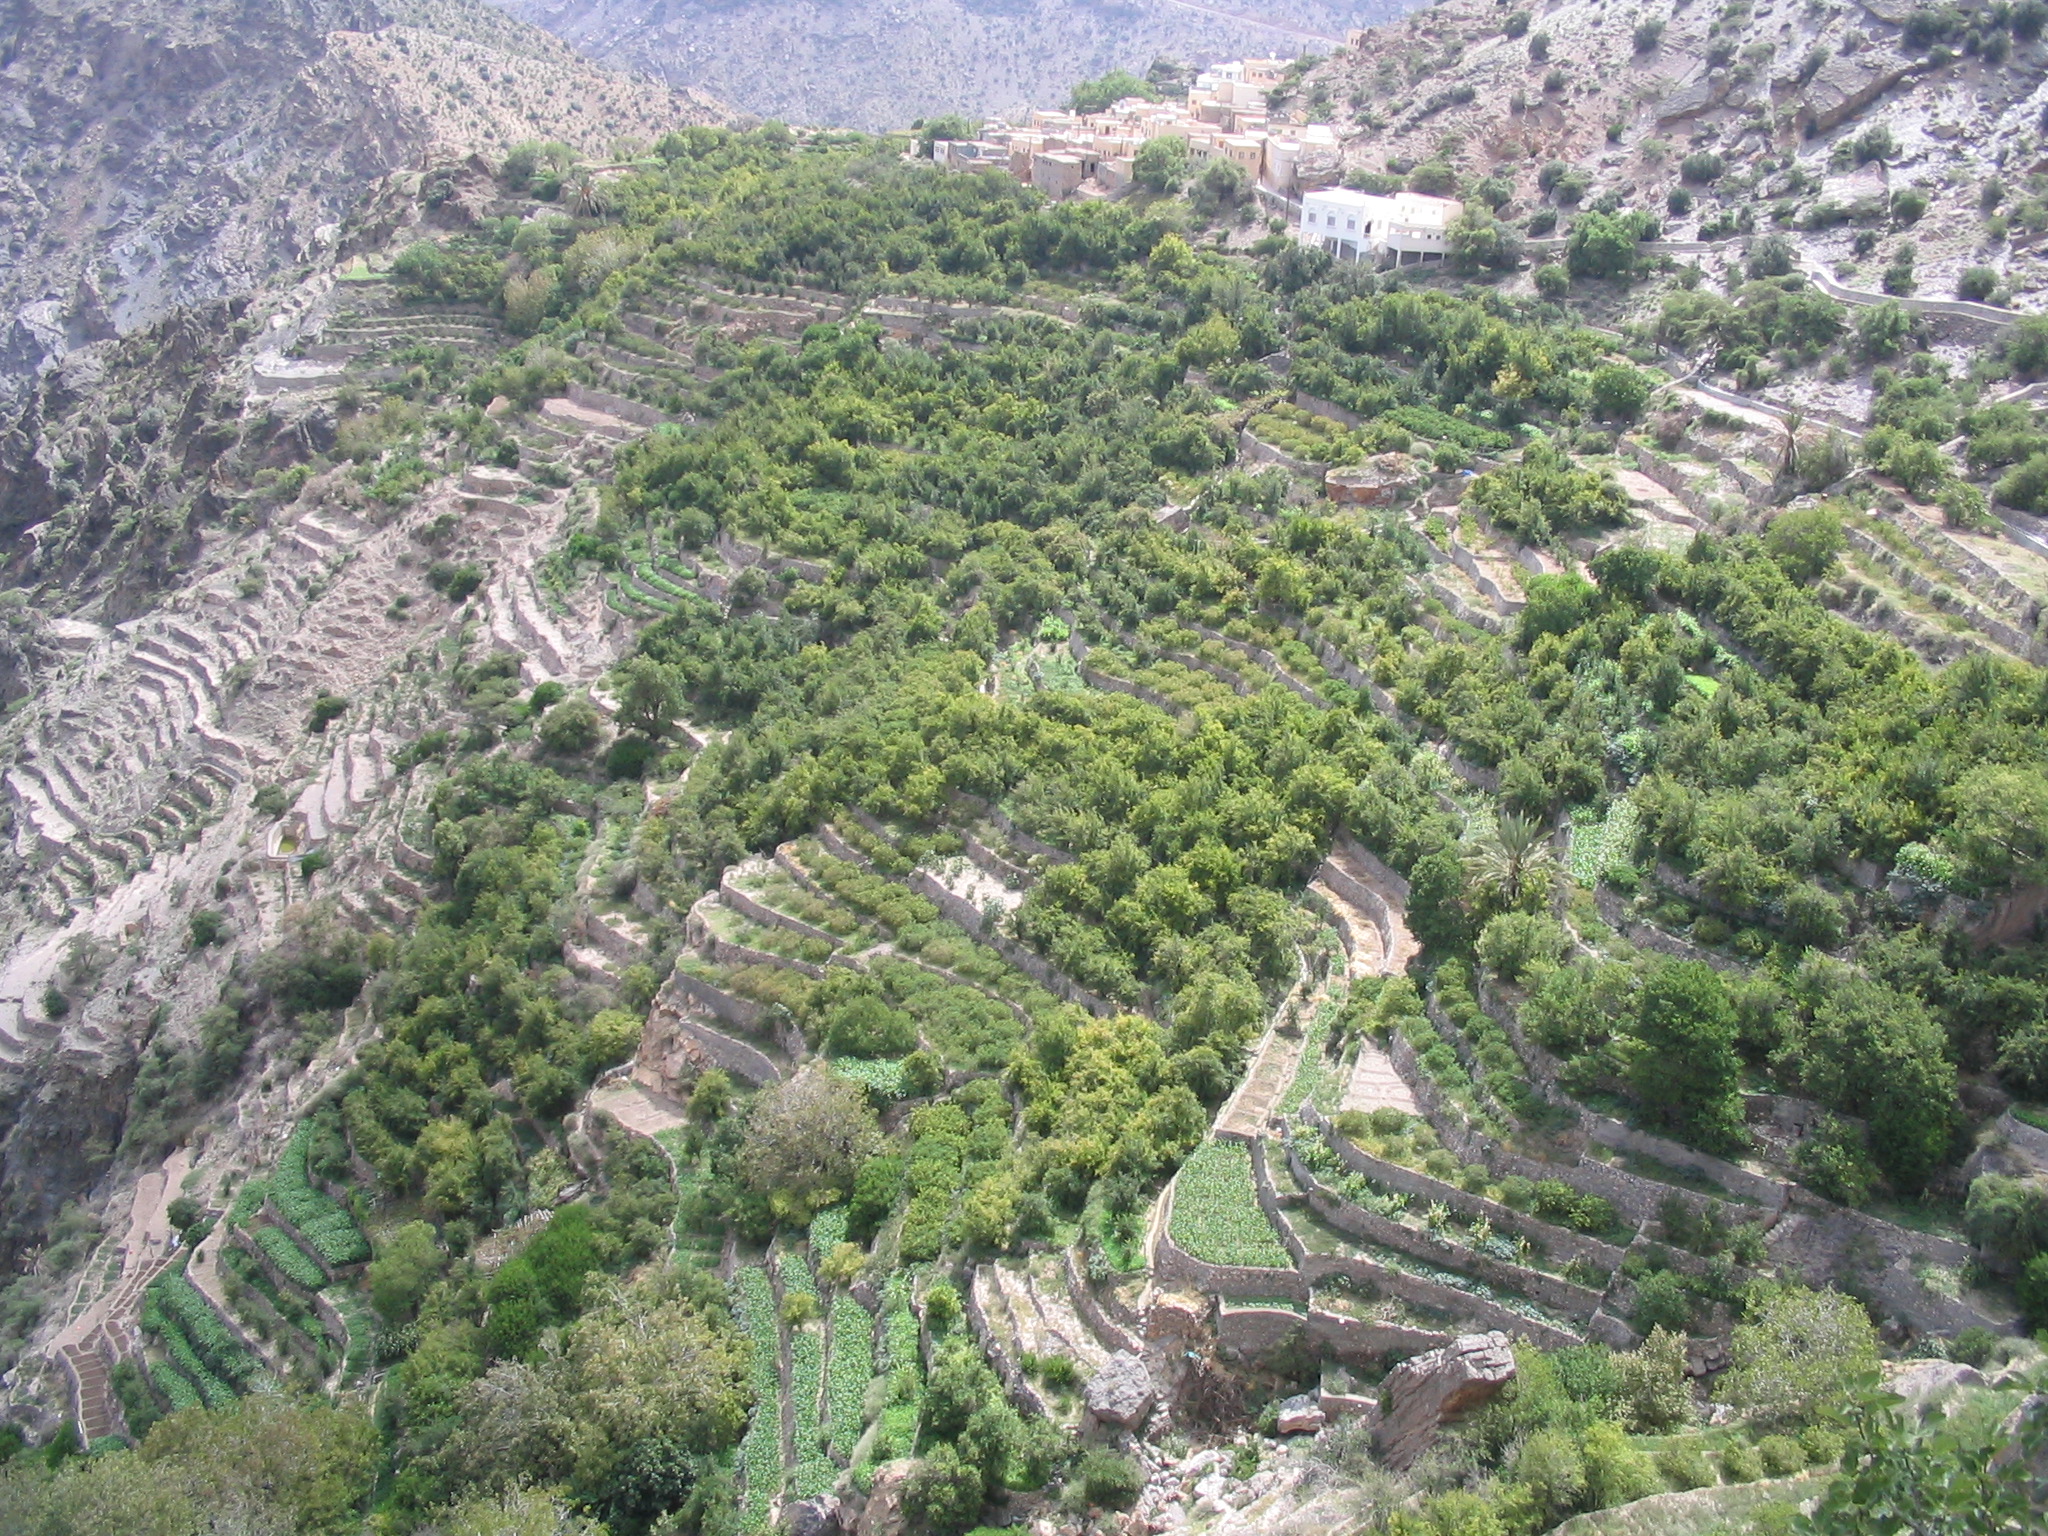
(1511, 857)
(588, 195)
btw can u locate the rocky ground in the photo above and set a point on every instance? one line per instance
(1780, 93)
(156, 156)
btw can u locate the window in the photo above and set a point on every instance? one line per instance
(1351, 223)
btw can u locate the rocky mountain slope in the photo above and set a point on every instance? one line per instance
(875, 65)
(157, 156)
(1812, 118)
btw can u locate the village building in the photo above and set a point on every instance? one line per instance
(1397, 230)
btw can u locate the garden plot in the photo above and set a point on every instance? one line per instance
(1216, 1216)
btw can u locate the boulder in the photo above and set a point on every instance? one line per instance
(811, 1517)
(883, 1513)
(1426, 1392)
(2025, 1433)
(1122, 1392)
(1301, 1415)
(1176, 1316)
(1929, 1381)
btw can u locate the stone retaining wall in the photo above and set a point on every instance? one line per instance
(331, 1322)
(721, 1050)
(1252, 450)
(1420, 1292)
(1559, 1241)
(1256, 1331)
(1355, 1341)
(1090, 1310)
(747, 906)
(1174, 1265)
(721, 1003)
(1016, 835)
(1558, 1295)
(1015, 1382)
(1268, 661)
(965, 915)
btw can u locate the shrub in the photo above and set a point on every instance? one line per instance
(1662, 1301)
(1909, 205)
(1109, 1480)
(1552, 281)
(1515, 944)
(1616, 1472)
(1740, 1463)
(1649, 34)
(1702, 166)
(1978, 283)
(1684, 1464)
(1781, 1455)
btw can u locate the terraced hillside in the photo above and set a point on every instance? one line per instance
(823, 722)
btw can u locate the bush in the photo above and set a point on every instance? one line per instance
(1649, 34)
(1781, 1455)
(1616, 1472)
(1552, 281)
(1977, 283)
(1702, 167)
(1662, 1301)
(1740, 1463)
(1684, 1464)
(325, 711)
(1517, 944)
(1909, 205)
(1109, 1480)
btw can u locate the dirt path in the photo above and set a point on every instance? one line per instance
(105, 1330)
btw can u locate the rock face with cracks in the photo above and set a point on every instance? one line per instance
(1425, 1393)
(1122, 1392)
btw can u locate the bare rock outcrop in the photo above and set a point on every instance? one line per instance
(1122, 1392)
(1426, 1392)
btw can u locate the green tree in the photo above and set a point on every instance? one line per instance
(1682, 1061)
(571, 728)
(1161, 164)
(1875, 1051)
(407, 1263)
(648, 698)
(1100, 95)
(1805, 542)
(1602, 245)
(1620, 391)
(2000, 827)
(1799, 1357)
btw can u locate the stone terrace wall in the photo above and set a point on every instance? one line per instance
(1422, 1292)
(1174, 1265)
(1356, 1341)
(1257, 1331)
(732, 896)
(720, 1003)
(964, 914)
(1108, 1329)
(1561, 1241)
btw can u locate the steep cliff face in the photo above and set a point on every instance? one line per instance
(156, 155)
(881, 63)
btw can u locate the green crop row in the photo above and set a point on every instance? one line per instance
(178, 1301)
(815, 1473)
(828, 1230)
(753, 1303)
(852, 1368)
(1216, 1215)
(319, 1218)
(180, 1392)
(289, 1257)
(185, 1361)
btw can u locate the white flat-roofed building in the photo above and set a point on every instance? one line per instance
(1405, 228)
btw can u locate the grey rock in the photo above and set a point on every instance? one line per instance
(1430, 1390)
(1122, 1392)
(1301, 1415)
(811, 1517)
(1928, 1381)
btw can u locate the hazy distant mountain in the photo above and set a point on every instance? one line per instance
(882, 63)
